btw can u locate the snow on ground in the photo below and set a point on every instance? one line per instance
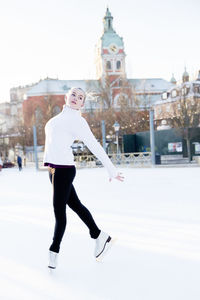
(155, 214)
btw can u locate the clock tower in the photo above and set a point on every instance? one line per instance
(110, 56)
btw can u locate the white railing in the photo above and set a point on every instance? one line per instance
(128, 159)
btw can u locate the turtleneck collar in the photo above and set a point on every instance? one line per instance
(67, 108)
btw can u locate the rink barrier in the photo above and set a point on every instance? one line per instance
(123, 159)
(135, 159)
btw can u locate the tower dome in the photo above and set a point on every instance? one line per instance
(173, 80)
(185, 76)
(110, 55)
(109, 34)
(198, 78)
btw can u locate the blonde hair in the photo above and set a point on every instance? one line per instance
(73, 88)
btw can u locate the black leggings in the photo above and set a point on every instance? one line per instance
(65, 194)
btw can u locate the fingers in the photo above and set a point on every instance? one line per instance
(120, 178)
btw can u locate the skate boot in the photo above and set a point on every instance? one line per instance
(53, 260)
(103, 244)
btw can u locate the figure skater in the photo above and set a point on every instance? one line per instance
(61, 131)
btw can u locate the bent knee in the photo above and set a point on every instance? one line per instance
(75, 205)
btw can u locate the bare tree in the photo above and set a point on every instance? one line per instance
(38, 114)
(126, 112)
(102, 91)
(107, 89)
(186, 115)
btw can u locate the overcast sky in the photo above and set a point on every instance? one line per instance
(57, 38)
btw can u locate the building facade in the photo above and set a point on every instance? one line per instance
(42, 100)
(110, 67)
(180, 101)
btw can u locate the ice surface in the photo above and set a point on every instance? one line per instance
(155, 214)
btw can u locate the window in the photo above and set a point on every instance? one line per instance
(38, 116)
(185, 91)
(174, 93)
(118, 64)
(56, 110)
(164, 96)
(196, 88)
(108, 65)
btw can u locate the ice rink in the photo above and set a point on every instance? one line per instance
(154, 213)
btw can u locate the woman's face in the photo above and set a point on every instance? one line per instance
(75, 99)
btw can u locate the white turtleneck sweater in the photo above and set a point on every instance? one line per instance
(62, 130)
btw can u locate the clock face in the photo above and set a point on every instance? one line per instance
(113, 48)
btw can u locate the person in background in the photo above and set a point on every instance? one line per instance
(61, 131)
(19, 162)
(1, 163)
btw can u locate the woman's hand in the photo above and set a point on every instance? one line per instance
(119, 177)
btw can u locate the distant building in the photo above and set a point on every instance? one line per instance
(110, 62)
(164, 109)
(12, 112)
(33, 101)
(9, 112)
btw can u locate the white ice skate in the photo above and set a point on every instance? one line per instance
(103, 244)
(53, 260)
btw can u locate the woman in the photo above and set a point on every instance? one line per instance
(61, 131)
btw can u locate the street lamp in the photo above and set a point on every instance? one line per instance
(152, 137)
(116, 128)
(35, 141)
(151, 127)
(35, 146)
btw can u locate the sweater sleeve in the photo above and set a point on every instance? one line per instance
(86, 135)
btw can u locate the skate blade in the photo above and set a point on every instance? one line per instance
(106, 250)
(51, 269)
